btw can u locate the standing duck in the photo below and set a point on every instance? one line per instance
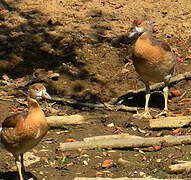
(22, 131)
(153, 60)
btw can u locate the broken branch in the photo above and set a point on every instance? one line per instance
(127, 142)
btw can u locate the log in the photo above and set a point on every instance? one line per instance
(127, 142)
(61, 121)
(170, 122)
(178, 168)
(122, 178)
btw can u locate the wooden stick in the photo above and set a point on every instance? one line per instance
(170, 122)
(127, 142)
(61, 121)
(178, 168)
(122, 178)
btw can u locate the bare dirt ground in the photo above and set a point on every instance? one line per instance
(85, 42)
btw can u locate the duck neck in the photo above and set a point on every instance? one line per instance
(32, 104)
(146, 35)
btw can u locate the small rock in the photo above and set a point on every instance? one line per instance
(30, 158)
(111, 125)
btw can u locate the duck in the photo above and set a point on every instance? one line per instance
(22, 131)
(153, 60)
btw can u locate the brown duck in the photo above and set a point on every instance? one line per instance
(153, 60)
(22, 131)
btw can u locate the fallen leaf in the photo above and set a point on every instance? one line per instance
(189, 109)
(82, 7)
(18, 109)
(5, 77)
(21, 79)
(170, 156)
(186, 100)
(14, 168)
(176, 93)
(188, 57)
(118, 130)
(99, 173)
(44, 159)
(50, 72)
(181, 104)
(159, 134)
(70, 164)
(35, 151)
(109, 174)
(99, 76)
(66, 154)
(157, 148)
(3, 93)
(10, 154)
(180, 59)
(144, 158)
(177, 131)
(107, 163)
(82, 152)
(60, 113)
(117, 6)
(177, 115)
(70, 140)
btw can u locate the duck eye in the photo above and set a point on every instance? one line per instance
(36, 89)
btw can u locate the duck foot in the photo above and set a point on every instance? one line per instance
(164, 113)
(145, 114)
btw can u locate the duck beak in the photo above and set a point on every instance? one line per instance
(45, 95)
(136, 31)
(132, 33)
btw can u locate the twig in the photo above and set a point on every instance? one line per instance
(170, 122)
(128, 142)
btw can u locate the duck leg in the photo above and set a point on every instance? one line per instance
(165, 110)
(22, 164)
(165, 94)
(146, 113)
(19, 165)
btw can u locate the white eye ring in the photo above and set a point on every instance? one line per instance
(139, 29)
